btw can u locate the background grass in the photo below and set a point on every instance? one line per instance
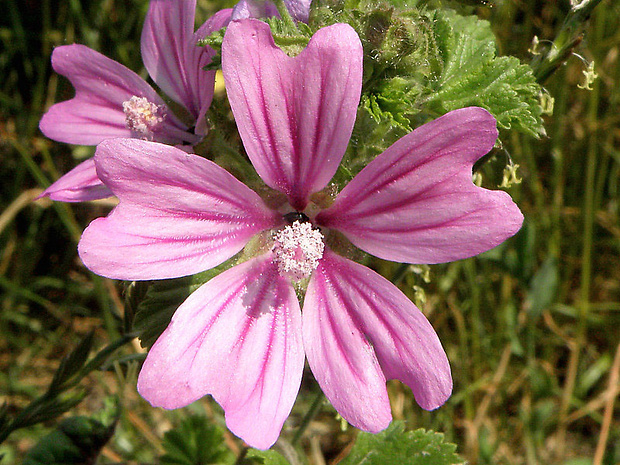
(531, 328)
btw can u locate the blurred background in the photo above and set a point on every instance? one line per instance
(531, 328)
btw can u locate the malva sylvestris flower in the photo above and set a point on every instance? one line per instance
(242, 336)
(112, 101)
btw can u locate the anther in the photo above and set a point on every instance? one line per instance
(297, 250)
(143, 117)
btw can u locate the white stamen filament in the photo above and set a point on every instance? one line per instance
(297, 249)
(143, 117)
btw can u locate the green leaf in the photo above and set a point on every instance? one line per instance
(291, 37)
(390, 103)
(578, 461)
(59, 398)
(5, 423)
(372, 134)
(134, 294)
(543, 287)
(264, 457)
(102, 358)
(214, 40)
(420, 64)
(161, 300)
(196, 441)
(394, 445)
(401, 56)
(72, 363)
(76, 440)
(512, 324)
(42, 409)
(595, 373)
(474, 75)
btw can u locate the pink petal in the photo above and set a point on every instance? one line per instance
(238, 338)
(295, 115)
(359, 330)
(172, 57)
(78, 185)
(417, 203)
(299, 9)
(198, 57)
(96, 112)
(178, 213)
(245, 9)
(168, 27)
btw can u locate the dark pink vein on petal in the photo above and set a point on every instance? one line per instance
(333, 325)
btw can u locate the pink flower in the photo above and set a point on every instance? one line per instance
(242, 337)
(113, 101)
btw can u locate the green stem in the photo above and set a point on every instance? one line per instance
(476, 321)
(535, 182)
(568, 38)
(64, 211)
(105, 303)
(586, 255)
(310, 414)
(400, 273)
(559, 177)
(284, 13)
(242, 455)
(46, 406)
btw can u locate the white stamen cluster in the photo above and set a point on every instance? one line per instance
(142, 116)
(298, 249)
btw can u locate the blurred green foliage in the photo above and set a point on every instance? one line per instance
(531, 328)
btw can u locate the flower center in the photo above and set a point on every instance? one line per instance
(297, 249)
(143, 117)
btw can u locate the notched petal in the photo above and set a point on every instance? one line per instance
(359, 330)
(295, 114)
(96, 112)
(416, 202)
(179, 213)
(238, 338)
